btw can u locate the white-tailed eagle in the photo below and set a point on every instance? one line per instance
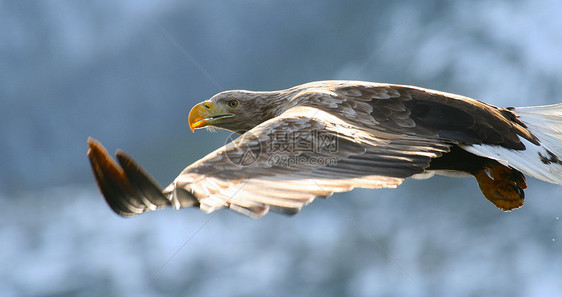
(323, 137)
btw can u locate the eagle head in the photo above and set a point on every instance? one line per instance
(236, 111)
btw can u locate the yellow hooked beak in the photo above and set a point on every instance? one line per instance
(204, 114)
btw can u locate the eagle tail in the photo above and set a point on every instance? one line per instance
(545, 122)
(542, 161)
(127, 188)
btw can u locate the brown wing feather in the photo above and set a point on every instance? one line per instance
(451, 117)
(112, 181)
(127, 188)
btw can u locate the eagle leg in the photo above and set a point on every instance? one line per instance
(502, 186)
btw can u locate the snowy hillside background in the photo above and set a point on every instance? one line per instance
(127, 73)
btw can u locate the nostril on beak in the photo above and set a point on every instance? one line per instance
(207, 106)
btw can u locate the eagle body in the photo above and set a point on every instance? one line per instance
(319, 138)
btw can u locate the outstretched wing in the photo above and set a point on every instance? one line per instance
(284, 163)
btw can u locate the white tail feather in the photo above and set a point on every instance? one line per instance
(543, 161)
(545, 122)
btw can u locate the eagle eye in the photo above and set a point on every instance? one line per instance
(232, 103)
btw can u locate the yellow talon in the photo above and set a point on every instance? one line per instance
(503, 186)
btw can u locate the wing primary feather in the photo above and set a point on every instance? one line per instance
(142, 183)
(127, 188)
(113, 182)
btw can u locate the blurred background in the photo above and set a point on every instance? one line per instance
(127, 73)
